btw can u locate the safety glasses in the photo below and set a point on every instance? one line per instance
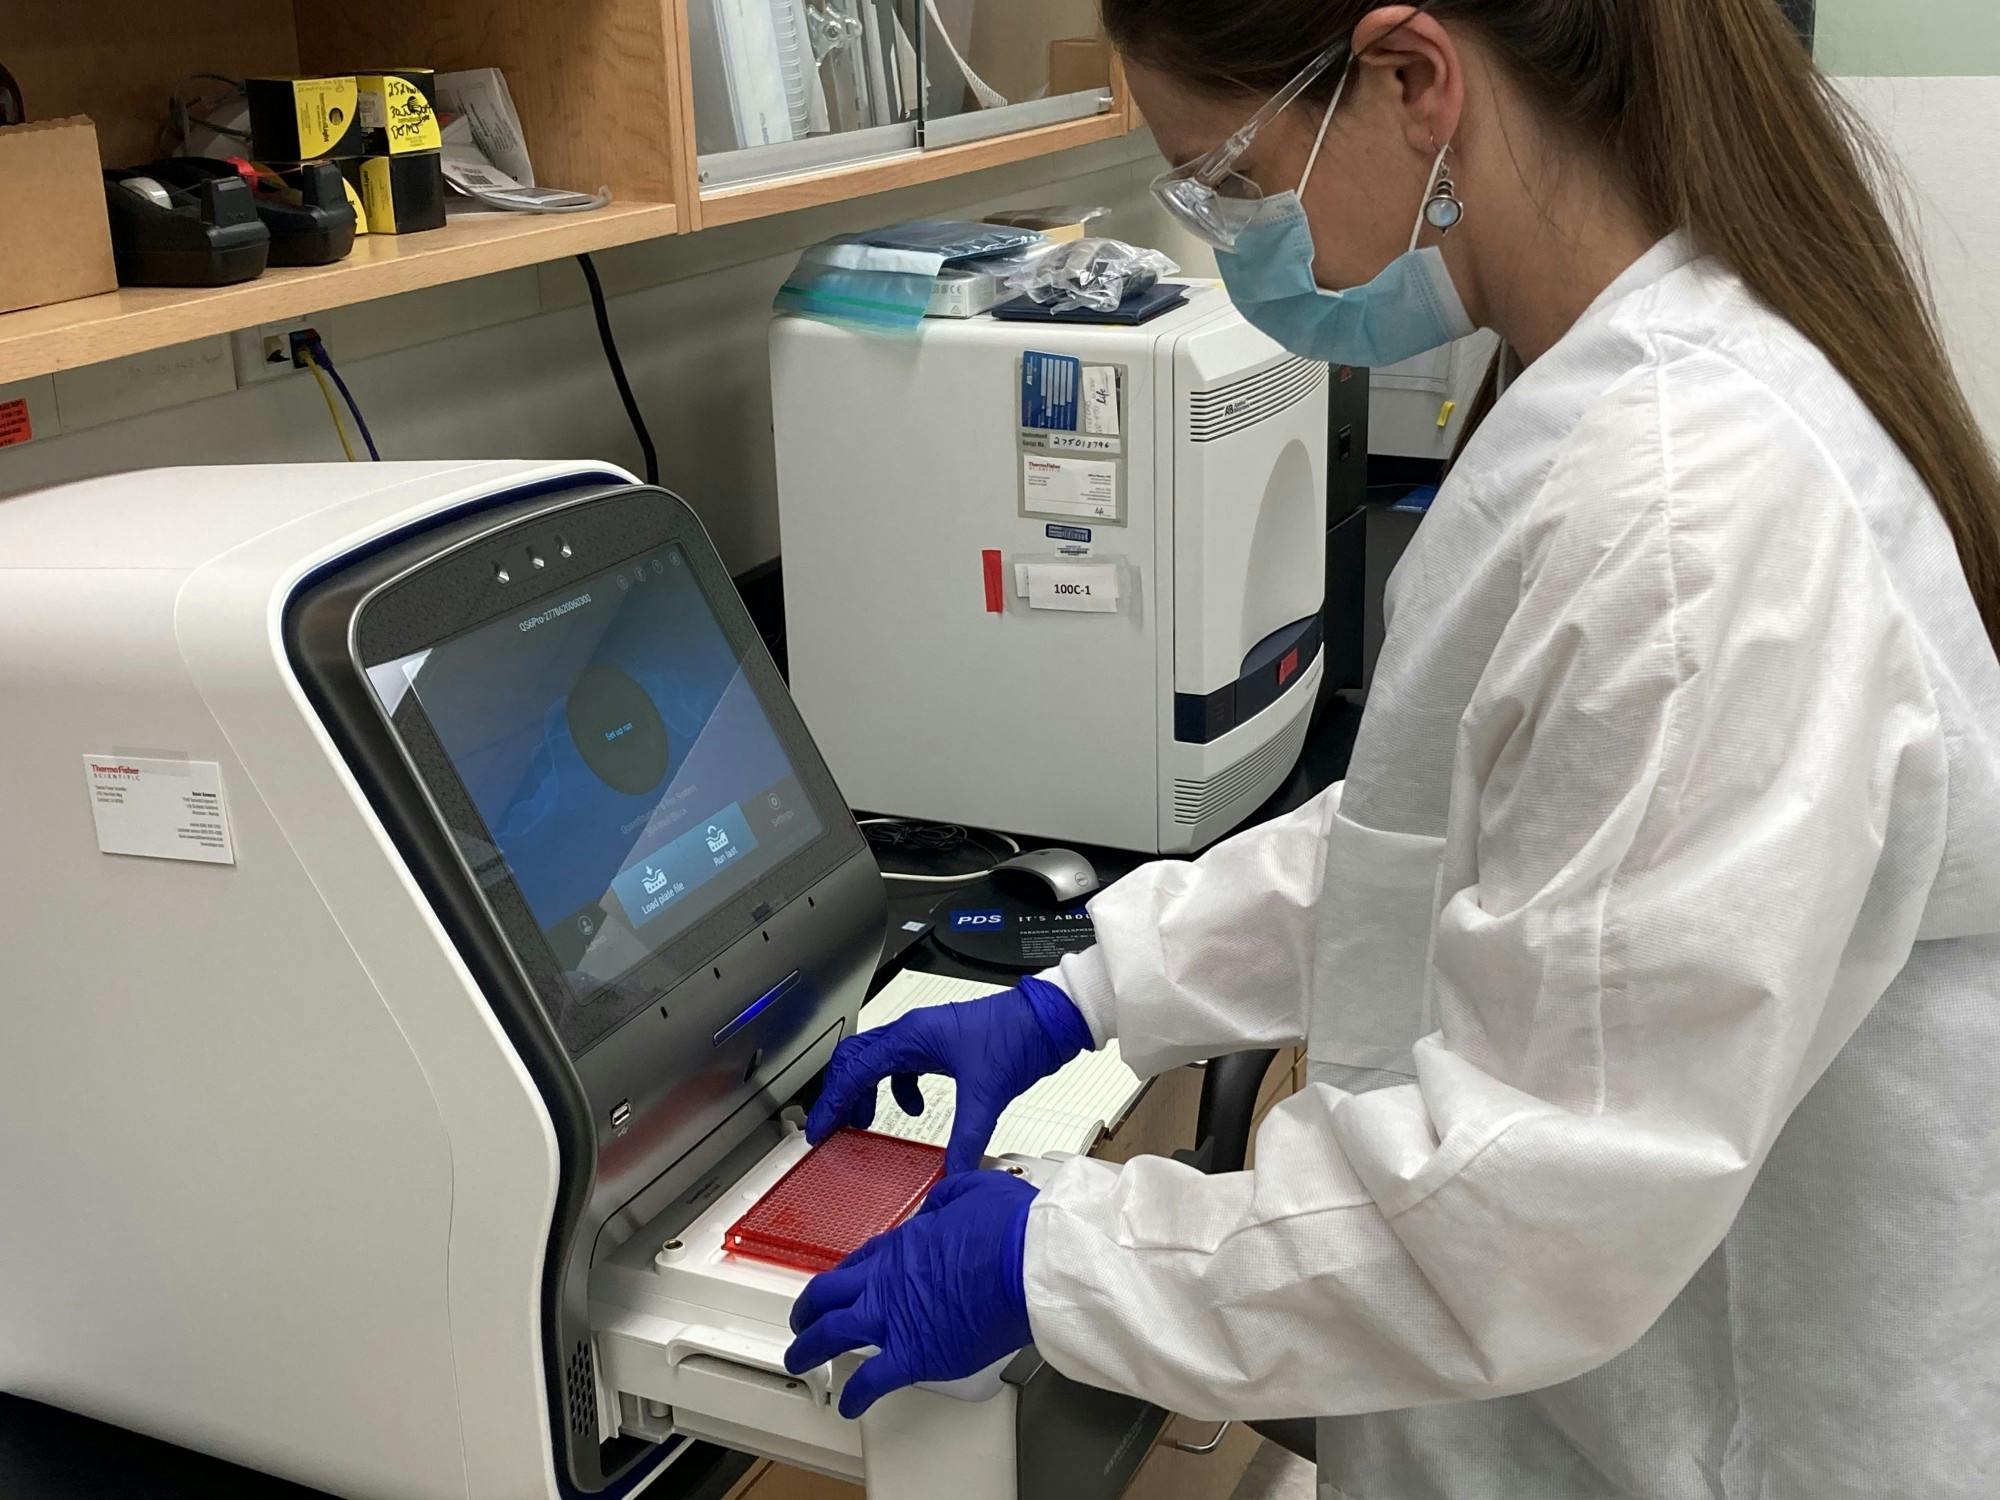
(1208, 196)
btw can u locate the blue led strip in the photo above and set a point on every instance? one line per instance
(757, 1007)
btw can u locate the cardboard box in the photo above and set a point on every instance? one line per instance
(55, 236)
(770, 1481)
(1079, 63)
(1169, 1474)
(398, 109)
(304, 119)
(1059, 224)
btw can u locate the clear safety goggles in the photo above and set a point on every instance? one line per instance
(1208, 196)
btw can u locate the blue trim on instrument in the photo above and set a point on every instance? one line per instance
(757, 1007)
(1272, 666)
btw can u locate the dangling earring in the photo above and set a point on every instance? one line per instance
(1444, 208)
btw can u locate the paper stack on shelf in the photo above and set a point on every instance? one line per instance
(756, 82)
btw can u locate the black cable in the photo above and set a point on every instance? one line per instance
(937, 840)
(316, 352)
(610, 343)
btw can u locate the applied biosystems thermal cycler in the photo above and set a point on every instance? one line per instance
(421, 897)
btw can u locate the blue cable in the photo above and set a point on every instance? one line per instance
(316, 350)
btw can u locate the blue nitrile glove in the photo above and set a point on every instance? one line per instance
(941, 1295)
(996, 1047)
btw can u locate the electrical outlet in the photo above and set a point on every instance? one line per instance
(298, 343)
(266, 351)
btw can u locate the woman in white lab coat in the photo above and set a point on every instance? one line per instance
(1648, 961)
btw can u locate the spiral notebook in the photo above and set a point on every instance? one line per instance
(1065, 1112)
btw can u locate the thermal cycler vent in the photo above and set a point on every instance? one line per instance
(1196, 801)
(1228, 409)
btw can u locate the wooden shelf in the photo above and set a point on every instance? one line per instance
(605, 90)
(40, 340)
(755, 200)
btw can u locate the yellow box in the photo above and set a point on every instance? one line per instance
(400, 194)
(304, 119)
(398, 109)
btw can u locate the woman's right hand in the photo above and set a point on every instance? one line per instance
(996, 1048)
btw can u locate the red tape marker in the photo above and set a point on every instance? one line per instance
(996, 597)
(14, 425)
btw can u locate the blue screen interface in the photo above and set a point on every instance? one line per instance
(620, 757)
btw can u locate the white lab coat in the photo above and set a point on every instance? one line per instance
(1649, 968)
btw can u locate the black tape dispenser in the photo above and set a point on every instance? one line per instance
(164, 235)
(306, 208)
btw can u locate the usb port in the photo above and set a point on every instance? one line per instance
(621, 1114)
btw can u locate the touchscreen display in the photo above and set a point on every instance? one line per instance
(618, 754)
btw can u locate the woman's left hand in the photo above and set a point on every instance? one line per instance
(940, 1295)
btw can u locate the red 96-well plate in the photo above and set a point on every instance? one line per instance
(837, 1197)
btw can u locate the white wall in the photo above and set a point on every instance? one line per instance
(1908, 38)
(509, 366)
(1929, 123)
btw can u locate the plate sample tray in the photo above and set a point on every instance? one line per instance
(842, 1193)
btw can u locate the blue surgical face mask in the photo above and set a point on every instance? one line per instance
(1408, 310)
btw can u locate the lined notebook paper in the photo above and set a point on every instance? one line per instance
(1066, 1111)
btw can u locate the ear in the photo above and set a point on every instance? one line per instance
(1411, 46)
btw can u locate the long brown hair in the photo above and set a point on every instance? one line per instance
(1722, 126)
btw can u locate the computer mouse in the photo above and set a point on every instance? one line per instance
(1047, 877)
